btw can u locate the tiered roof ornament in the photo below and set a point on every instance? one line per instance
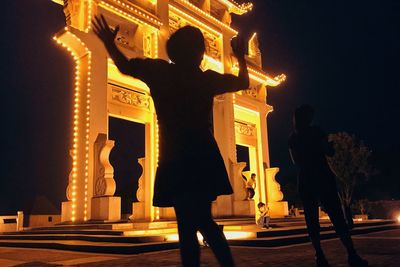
(236, 8)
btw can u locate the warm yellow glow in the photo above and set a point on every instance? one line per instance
(212, 64)
(238, 234)
(252, 51)
(89, 16)
(207, 15)
(249, 114)
(129, 17)
(261, 77)
(157, 143)
(228, 234)
(237, 8)
(88, 84)
(155, 41)
(133, 106)
(79, 76)
(398, 218)
(194, 20)
(157, 213)
(139, 12)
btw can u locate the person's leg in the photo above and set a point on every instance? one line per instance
(187, 229)
(310, 204)
(332, 204)
(267, 219)
(252, 193)
(213, 235)
(248, 193)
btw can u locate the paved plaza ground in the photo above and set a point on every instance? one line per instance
(380, 249)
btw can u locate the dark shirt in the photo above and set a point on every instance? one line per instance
(183, 101)
(190, 165)
(309, 148)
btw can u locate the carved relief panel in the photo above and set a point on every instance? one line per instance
(245, 129)
(104, 183)
(130, 97)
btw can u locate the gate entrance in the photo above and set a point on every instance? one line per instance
(96, 183)
(129, 146)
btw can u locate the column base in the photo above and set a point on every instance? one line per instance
(138, 211)
(278, 209)
(167, 213)
(244, 208)
(66, 211)
(106, 209)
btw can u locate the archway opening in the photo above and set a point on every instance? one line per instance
(129, 146)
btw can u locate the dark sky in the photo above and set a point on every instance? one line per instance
(340, 56)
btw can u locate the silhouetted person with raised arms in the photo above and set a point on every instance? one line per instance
(191, 172)
(309, 146)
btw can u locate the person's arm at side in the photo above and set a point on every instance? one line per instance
(107, 36)
(230, 83)
(293, 156)
(327, 146)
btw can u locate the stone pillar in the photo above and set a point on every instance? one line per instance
(89, 120)
(278, 208)
(225, 137)
(20, 220)
(241, 206)
(105, 206)
(138, 208)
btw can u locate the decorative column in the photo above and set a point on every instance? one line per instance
(224, 134)
(77, 208)
(90, 119)
(105, 206)
(138, 208)
(241, 206)
(274, 195)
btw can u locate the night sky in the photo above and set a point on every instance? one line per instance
(340, 56)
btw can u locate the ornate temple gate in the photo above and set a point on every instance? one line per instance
(102, 91)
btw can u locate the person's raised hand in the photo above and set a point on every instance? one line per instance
(238, 46)
(103, 31)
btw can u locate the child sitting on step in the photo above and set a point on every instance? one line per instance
(264, 218)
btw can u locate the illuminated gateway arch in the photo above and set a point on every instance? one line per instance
(101, 91)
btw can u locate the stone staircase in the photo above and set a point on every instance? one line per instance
(284, 234)
(132, 238)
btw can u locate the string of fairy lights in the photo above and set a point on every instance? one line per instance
(178, 11)
(154, 22)
(89, 16)
(196, 9)
(80, 62)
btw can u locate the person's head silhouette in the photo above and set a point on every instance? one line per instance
(186, 47)
(303, 116)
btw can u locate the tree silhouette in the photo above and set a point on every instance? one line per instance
(351, 165)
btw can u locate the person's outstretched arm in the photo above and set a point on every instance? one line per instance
(230, 83)
(107, 36)
(239, 50)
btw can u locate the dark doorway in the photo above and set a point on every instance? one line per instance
(129, 140)
(243, 155)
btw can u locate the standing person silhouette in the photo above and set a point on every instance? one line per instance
(191, 172)
(309, 146)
